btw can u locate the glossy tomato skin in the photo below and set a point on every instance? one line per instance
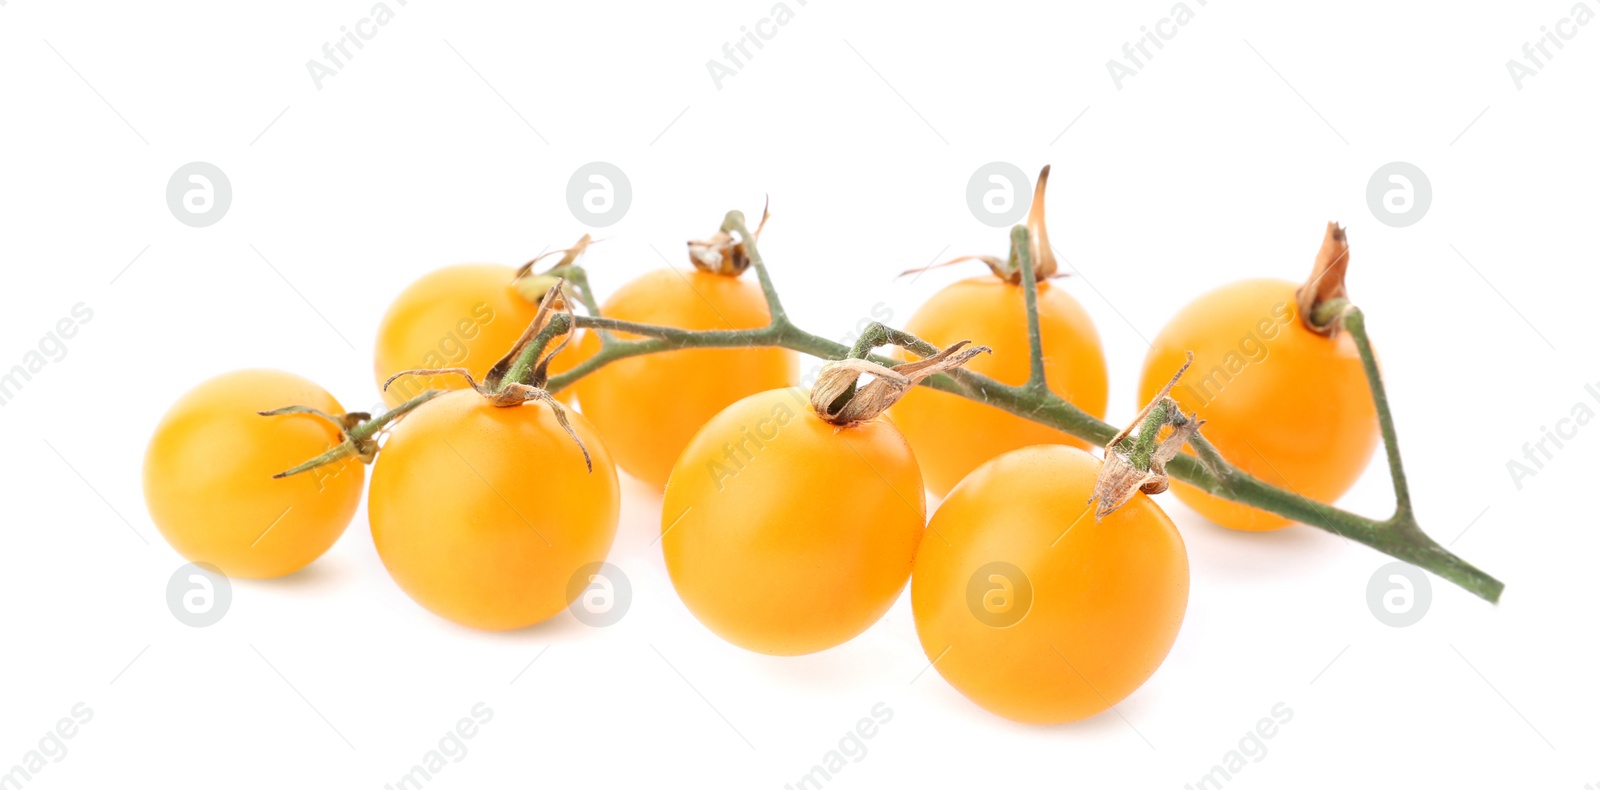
(1281, 402)
(953, 435)
(483, 514)
(649, 407)
(1081, 614)
(208, 475)
(468, 315)
(785, 534)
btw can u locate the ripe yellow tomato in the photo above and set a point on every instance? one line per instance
(648, 407)
(466, 316)
(953, 435)
(208, 475)
(1281, 402)
(1030, 607)
(785, 534)
(483, 514)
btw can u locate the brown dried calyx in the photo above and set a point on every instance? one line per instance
(533, 287)
(354, 445)
(839, 399)
(720, 254)
(1326, 282)
(1137, 463)
(1010, 268)
(503, 393)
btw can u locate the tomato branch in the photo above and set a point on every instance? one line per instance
(1398, 536)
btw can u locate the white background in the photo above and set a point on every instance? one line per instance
(1221, 159)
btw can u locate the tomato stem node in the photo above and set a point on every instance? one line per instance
(1137, 462)
(569, 257)
(521, 374)
(359, 429)
(840, 398)
(720, 254)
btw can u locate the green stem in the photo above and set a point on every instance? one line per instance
(734, 223)
(1022, 258)
(368, 429)
(522, 369)
(578, 278)
(1356, 323)
(877, 334)
(355, 438)
(1144, 445)
(1398, 536)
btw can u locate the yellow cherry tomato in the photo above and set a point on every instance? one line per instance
(648, 407)
(1281, 402)
(208, 475)
(484, 514)
(785, 534)
(1030, 607)
(468, 316)
(953, 435)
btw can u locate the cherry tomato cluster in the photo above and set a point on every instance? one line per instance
(786, 528)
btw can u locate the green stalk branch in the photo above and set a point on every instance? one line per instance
(1210, 472)
(1398, 536)
(734, 223)
(1022, 258)
(1355, 322)
(578, 278)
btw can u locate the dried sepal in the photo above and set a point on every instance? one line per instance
(1044, 258)
(351, 446)
(996, 265)
(505, 394)
(720, 254)
(534, 286)
(1326, 282)
(554, 301)
(1122, 475)
(1010, 268)
(838, 398)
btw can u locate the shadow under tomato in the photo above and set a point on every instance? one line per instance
(560, 628)
(880, 651)
(324, 575)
